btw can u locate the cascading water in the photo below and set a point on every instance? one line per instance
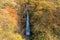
(27, 23)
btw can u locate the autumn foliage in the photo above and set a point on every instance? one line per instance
(44, 19)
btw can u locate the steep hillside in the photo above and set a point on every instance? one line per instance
(44, 19)
(9, 20)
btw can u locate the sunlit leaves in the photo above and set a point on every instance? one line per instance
(8, 20)
(9, 36)
(42, 18)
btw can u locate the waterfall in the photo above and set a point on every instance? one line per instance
(27, 23)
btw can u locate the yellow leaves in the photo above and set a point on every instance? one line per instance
(48, 4)
(19, 37)
(58, 3)
(26, 0)
(4, 35)
(23, 1)
(39, 13)
(43, 4)
(1, 3)
(39, 7)
(9, 2)
(15, 36)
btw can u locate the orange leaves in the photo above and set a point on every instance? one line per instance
(13, 14)
(8, 15)
(11, 11)
(8, 21)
